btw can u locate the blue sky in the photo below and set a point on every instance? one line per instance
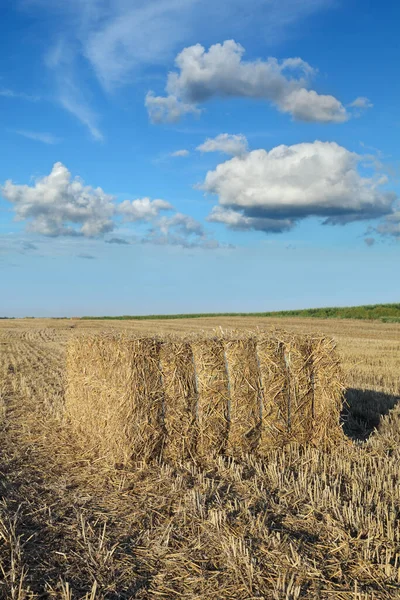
(184, 156)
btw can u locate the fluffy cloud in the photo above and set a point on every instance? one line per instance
(167, 109)
(59, 205)
(240, 222)
(142, 209)
(272, 190)
(222, 72)
(234, 145)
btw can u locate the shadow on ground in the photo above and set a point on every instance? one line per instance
(362, 411)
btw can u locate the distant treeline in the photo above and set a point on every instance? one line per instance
(387, 313)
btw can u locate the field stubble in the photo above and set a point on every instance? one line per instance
(297, 524)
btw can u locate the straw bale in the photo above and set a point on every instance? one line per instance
(213, 396)
(302, 390)
(328, 385)
(180, 399)
(245, 394)
(115, 396)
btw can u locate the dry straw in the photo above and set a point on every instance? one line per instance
(213, 396)
(179, 398)
(245, 393)
(180, 395)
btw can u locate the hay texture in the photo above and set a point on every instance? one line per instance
(213, 396)
(191, 398)
(115, 396)
(180, 400)
(244, 392)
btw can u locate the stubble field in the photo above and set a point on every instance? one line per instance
(297, 524)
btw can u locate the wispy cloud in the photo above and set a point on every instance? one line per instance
(8, 93)
(61, 62)
(180, 153)
(86, 256)
(45, 138)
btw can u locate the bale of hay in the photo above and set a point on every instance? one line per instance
(180, 400)
(328, 388)
(144, 398)
(213, 396)
(245, 393)
(115, 395)
(302, 390)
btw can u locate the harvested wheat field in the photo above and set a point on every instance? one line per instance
(276, 521)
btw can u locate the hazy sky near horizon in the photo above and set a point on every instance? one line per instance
(165, 156)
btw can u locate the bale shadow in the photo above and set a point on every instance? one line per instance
(362, 411)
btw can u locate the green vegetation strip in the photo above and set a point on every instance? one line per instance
(387, 313)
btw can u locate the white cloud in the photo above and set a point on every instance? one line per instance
(361, 102)
(272, 190)
(180, 153)
(59, 205)
(307, 105)
(234, 145)
(45, 138)
(142, 209)
(222, 72)
(71, 96)
(240, 222)
(167, 109)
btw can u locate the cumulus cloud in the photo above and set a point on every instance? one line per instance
(234, 145)
(271, 191)
(167, 109)
(240, 222)
(142, 209)
(222, 72)
(370, 241)
(59, 205)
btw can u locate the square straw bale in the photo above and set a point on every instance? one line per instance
(180, 399)
(115, 396)
(245, 393)
(302, 390)
(213, 396)
(329, 386)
